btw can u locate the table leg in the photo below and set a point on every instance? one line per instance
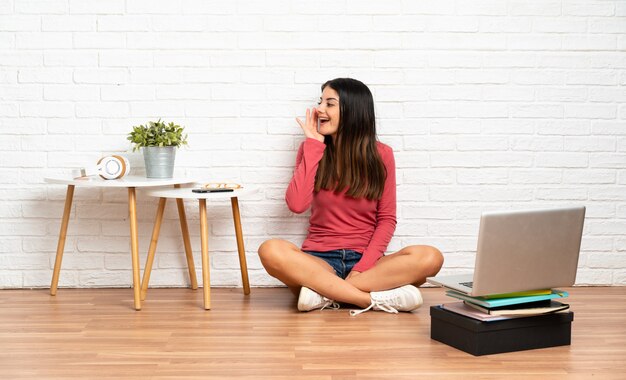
(134, 246)
(153, 245)
(61, 244)
(240, 248)
(204, 237)
(185, 232)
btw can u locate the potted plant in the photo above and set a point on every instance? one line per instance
(159, 142)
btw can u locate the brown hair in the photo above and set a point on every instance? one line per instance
(352, 161)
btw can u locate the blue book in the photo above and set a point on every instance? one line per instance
(496, 302)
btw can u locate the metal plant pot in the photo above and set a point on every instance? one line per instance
(159, 161)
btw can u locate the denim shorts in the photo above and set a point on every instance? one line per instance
(342, 260)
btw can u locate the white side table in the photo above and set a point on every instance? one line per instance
(131, 183)
(185, 193)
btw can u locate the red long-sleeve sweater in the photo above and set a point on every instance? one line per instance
(338, 221)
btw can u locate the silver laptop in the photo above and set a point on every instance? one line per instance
(522, 250)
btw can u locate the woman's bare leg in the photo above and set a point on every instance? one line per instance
(410, 265)
(286, 262)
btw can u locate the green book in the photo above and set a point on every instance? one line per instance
(496, 302)
(519, 294)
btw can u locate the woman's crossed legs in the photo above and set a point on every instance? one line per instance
(286, 262)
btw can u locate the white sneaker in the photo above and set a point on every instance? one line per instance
(310, 300)
(404, 298)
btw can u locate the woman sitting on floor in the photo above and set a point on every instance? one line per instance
(348, 179)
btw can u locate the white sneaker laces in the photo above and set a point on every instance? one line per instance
(403, 298)
(380, 305)
(330, 304)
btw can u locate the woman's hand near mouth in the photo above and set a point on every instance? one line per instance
(309, 126)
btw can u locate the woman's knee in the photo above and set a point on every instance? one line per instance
(271, 251)
(429, 258)
(434, 259)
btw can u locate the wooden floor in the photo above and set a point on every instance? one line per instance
(96, 334)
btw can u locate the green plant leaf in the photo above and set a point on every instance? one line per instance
(157, 133)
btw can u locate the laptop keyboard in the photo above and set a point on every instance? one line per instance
(468, 284)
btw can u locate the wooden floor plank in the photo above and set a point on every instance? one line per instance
(95, 333)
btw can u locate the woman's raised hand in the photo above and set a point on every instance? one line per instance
(309, 126)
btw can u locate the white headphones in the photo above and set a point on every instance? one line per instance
(108, 167)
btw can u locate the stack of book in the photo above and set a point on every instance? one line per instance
(507, 306)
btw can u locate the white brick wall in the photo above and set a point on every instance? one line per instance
(488, 104)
